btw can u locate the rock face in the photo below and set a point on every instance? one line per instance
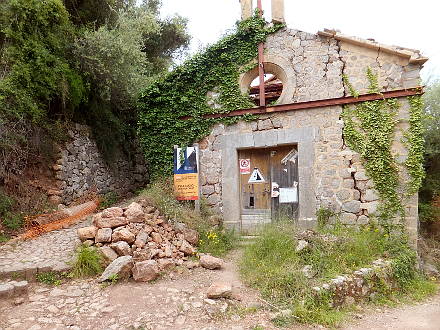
(120, 267)
(210, 262)
(141, 233)
(219, 290)
(145, 271)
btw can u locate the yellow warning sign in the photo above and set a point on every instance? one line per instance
(186, 186)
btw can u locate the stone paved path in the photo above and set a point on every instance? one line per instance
(50, 251)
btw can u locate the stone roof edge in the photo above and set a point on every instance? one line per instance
(413, 56)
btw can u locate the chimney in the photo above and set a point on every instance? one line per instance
(278, 11)
(246, 9)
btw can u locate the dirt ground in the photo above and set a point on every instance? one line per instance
(422, 316)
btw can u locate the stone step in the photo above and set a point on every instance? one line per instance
(29, 272)
(11, 289)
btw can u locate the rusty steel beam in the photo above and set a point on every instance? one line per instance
(316, 104)
(261, 62)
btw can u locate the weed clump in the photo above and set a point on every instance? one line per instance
(49, 278)
(88, 262)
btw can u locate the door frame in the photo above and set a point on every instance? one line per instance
(304, 138)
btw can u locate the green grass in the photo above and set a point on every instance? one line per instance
(4, 238)
(88, 262)
(272, 265)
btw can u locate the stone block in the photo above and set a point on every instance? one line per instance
(134, 213)
(371, 195)
(112, 212)
(101, 222)
(103, 235)
(121, 248)
(370, 207)
(120, 267)
(348, 218)
(123, 234)
(145, 271)
(348, 183)
(87, 233)
(6, 290)
(363, 220)
(360, 175)
(108, 253)
(21, 287)
(351, 206)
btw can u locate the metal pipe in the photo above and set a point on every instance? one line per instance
(261, 62)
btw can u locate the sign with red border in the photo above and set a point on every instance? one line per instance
(245, 166)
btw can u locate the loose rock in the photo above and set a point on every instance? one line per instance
(210, 262)
(145, 271)
(121, 267)
(86, 233)
(134, 213)
(219, 290)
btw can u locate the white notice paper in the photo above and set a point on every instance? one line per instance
(288, 195)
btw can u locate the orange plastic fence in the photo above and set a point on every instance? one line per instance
(36, 230)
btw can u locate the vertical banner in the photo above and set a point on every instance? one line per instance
(186, 176)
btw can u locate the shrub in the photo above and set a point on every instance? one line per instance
(88, 262)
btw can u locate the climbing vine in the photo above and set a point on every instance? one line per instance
(369, 130)
(183, 92)
(415, 141)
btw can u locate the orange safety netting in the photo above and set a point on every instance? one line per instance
(36, 230)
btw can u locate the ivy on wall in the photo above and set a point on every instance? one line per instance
(415, 141)
(183, 92)
(369, 129)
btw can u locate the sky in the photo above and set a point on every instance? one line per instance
(411, 24)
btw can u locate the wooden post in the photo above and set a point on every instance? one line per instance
(197, 202)
(261, 63)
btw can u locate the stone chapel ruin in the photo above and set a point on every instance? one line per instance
(294, 157)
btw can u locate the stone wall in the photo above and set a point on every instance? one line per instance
(81, 169)
(330, 174)
(361, 285)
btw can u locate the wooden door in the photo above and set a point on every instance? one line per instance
(285, 185)
(255, 189)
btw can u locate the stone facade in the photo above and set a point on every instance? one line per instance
(81, 169)
(311, 67)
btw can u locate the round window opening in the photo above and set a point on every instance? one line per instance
(273, 88)
(275, 82)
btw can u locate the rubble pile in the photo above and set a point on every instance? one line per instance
(139, 241)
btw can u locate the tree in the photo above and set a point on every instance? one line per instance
(431, 187)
